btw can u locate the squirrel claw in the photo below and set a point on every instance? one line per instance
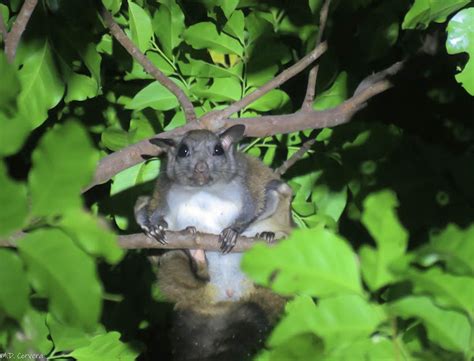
(228, 239)
(157, 232)
(268, 237)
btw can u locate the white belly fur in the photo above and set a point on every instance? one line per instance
(210, 210)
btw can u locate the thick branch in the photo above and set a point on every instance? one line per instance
(149, 67)
(255, 127)
(313, 74)
(176, 240)
(13, 37)
(272, 84)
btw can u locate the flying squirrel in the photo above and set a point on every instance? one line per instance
(207, 185)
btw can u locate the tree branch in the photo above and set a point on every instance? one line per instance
(296, 156)
(12, 39)
(272, 84)
(255, 127)
(183, 240)
(176, 240)
(309, 97)
(149, 67)
(313, 74)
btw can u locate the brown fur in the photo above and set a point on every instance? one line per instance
(258, 175)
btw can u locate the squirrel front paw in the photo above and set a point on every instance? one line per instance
(228, 239)
(157, 231)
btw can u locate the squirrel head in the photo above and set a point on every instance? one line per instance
(201, 157)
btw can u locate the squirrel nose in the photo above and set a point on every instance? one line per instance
(201, 167)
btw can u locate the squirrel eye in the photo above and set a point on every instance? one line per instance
(183, 151)
(218, 150)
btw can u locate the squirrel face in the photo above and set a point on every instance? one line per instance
(202, 158)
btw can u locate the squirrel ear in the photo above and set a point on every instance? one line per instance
(164, 143)
(232, 135)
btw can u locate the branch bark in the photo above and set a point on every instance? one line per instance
(12, 39)
(183, 240)
(313, 74)
(150, 68)
(176, 240)
(272, 84)
(255, 127)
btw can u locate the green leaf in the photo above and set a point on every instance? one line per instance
(41, 85)
(106, 347)
(138, 174)
(91, 236)
(340, 321)
(168, 25)
(380, 219)
(66, 337)
(202, 69)
(236, 25)
(299, 319)
(63, 163)
(205, 36)
(115, 138)
(302, 347)
(222, 89)
(375, 348)
(448, 291)
(313, 262)
(333, 96)
(273, 100)
(425, 11)
(449, 329)
(314, 5)
(10, 84)
(13, 195)
(80, 87)
(34, 334)
(140, 25)
(228, 6)
(13, 132)
(14, 127)
(112, 5)
(154, 95)
(59, 270)
(461, 40)
(344, 319)
(14, 291)
(453, 246)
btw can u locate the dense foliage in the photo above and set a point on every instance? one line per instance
(382, 267)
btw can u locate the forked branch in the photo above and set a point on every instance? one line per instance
(313, 74)
(150, 68)
(255, 127)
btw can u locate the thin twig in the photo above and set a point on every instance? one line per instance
(313, 74)
(255, 127)
(287, 164)
(13, 37)
(309, 97)
(123, 39)
(281, 78)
